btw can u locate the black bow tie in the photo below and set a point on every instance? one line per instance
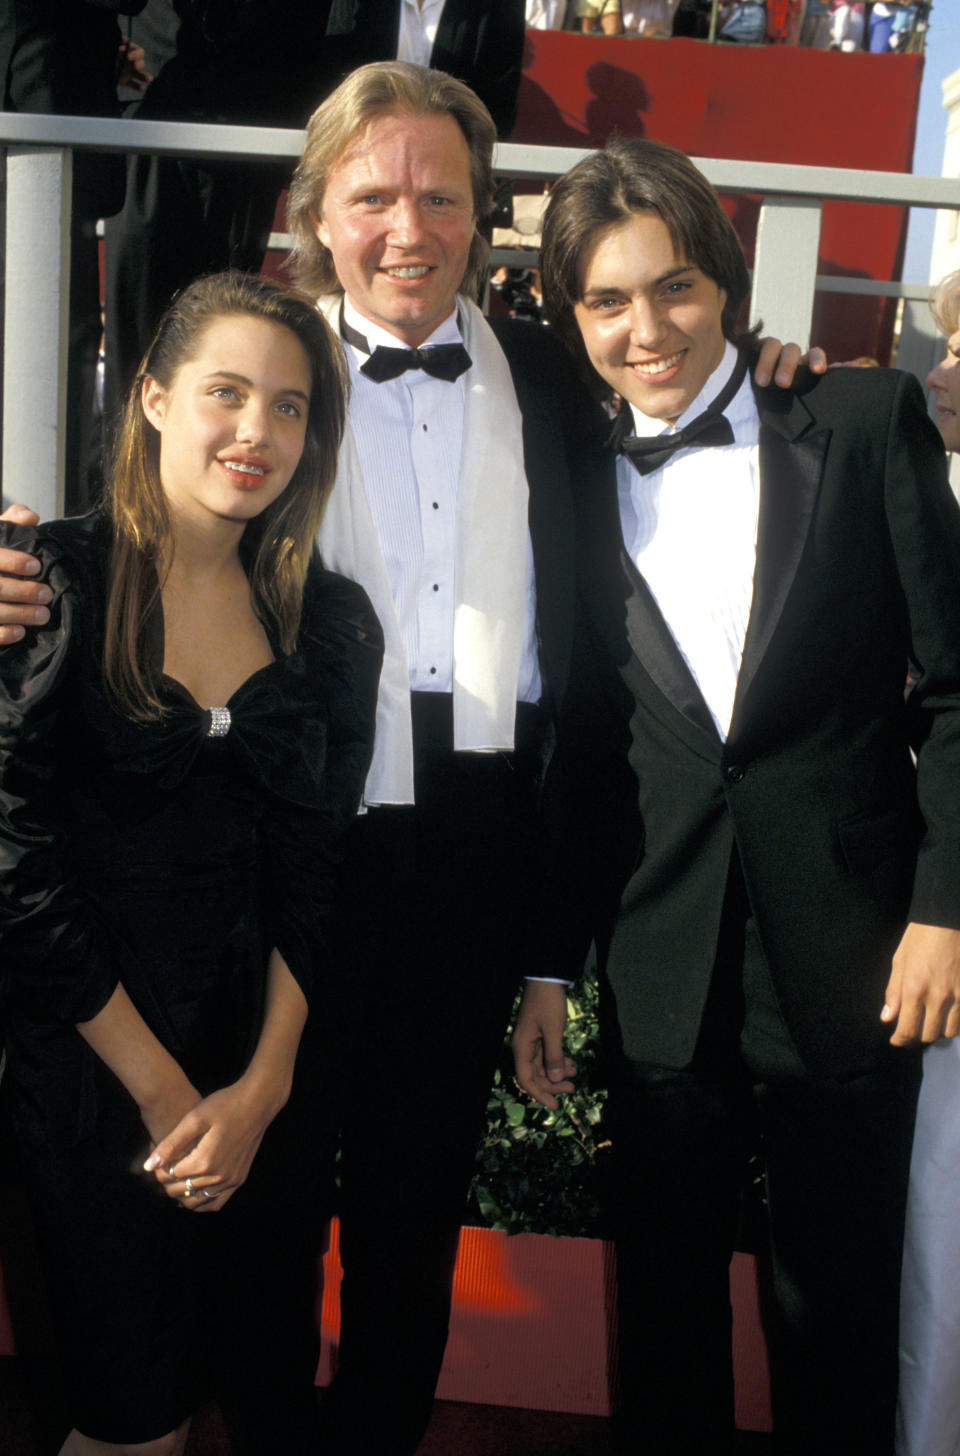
(647, 453)
(440, 361)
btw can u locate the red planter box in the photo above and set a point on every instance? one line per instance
(533, 1326)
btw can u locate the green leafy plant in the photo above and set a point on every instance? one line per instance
(543, 1172)
(540, 1171)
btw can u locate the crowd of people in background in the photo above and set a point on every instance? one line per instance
(847, 25)
(850, 25)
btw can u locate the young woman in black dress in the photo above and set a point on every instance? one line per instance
(180, 753)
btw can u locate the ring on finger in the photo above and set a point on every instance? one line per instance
(189, 1190)
(206, 1193)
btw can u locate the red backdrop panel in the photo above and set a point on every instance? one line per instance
(759, 103)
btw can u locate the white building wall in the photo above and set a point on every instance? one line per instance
(945, 255)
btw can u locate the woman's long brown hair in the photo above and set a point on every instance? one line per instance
(278, 544)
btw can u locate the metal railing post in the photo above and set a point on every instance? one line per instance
(36, 308)
(785, 267)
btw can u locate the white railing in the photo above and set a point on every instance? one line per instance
(39, 163)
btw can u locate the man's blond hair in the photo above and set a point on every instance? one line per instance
(383, 88)
(945, 304)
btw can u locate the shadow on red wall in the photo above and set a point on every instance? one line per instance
(756, 103)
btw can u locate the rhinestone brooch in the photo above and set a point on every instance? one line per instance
(219, 722)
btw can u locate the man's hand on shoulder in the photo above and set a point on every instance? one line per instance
(922, 999)
(778, 363)
(21, 598)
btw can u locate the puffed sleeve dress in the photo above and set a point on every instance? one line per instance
(169, 857)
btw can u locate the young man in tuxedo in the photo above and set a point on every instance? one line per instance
(773, 888)
(453, 507)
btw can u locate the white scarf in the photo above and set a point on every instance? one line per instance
(490, 569)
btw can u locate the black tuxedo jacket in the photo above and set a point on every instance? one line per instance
(559, 447)
(478, 41)
(840, 839)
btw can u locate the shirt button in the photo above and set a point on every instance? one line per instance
(436, 505)
(734, 773)
(436, 587)
(433, 672)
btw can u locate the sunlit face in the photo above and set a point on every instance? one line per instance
(398, 218)
(233, 422)
(651, 321)
(944, 380)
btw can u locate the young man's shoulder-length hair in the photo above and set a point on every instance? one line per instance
(632, 175)
(382, 88)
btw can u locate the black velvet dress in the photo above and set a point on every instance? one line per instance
(172, 861)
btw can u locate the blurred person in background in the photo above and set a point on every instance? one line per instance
(847, 21)
(944, 378)
(599, 15)
(928, 1411)
(546, 14)
(242, 63)
(480, 42)
(66, 58)
(651, 18)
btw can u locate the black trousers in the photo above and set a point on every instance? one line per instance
(833, 1156)
(433, 938)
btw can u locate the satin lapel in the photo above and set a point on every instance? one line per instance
(656, 650)
(792, 453)
(629, 622)
(552, 528)
(602, 585)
